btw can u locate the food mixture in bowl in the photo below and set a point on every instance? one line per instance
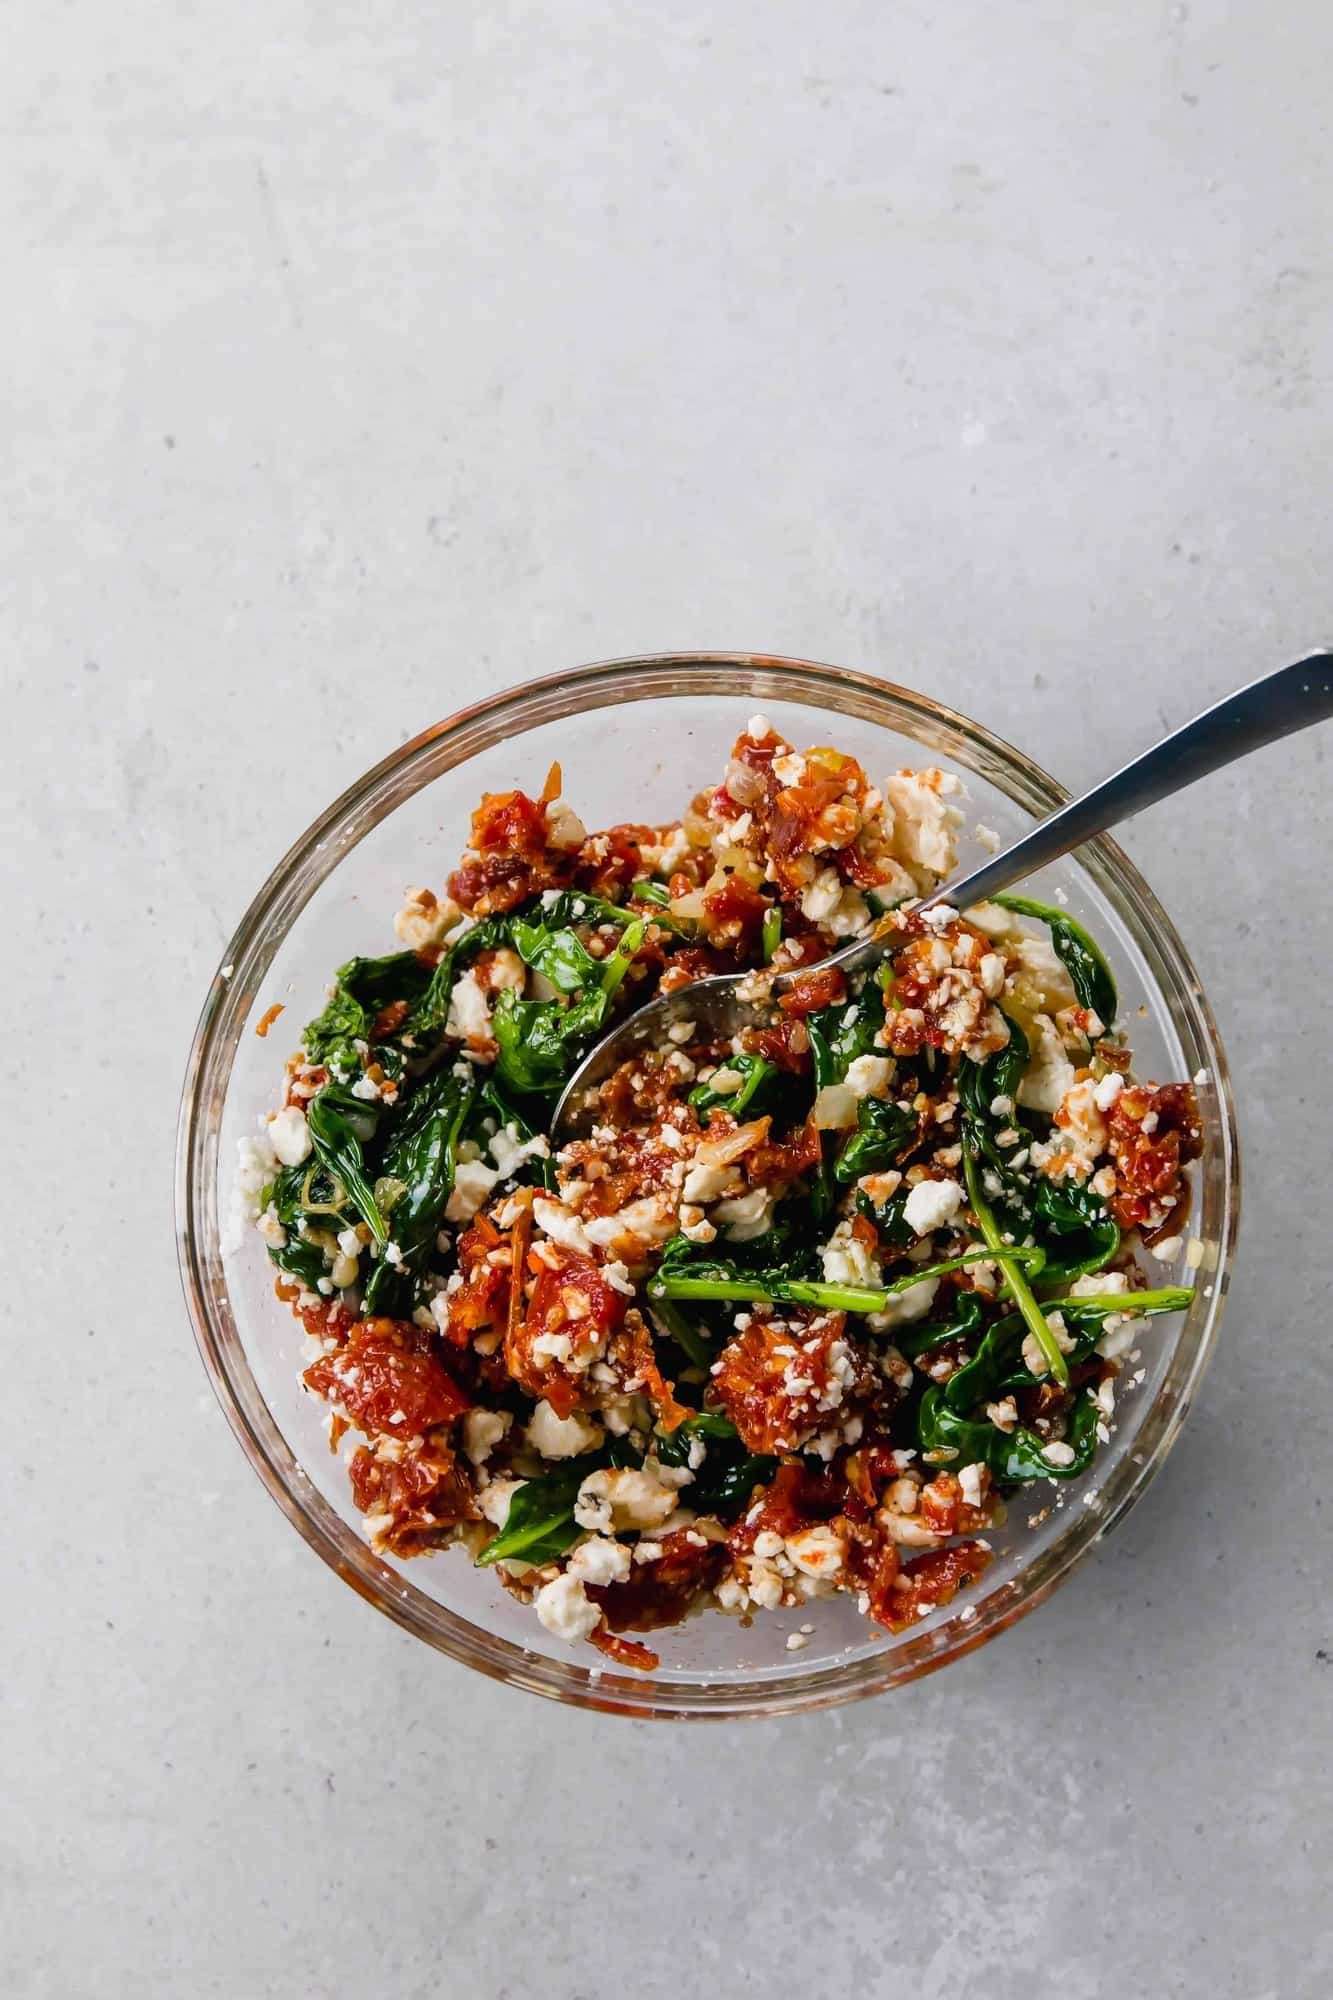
(806, 1310)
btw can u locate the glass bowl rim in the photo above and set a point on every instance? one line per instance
(260, 935)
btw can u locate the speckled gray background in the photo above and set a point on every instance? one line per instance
(361, 358)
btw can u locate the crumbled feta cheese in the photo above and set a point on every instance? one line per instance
(923, 826)
(623, 1497)
(1058, 1453)
(991, 972)
(932, 1204)
(969, 1478)
(255, 1168)
(847, 1260)
(835, 1107)
(600, 1561)
(1168, 1248)
(1049, 1074)
(1034, 1358)
(746, 1216)
(289, 1136)
(565, 1608)
(270, 1228)
(1095, 1282)
(650, 1219)
(870, 1076)
(1109, 1089)
(482, 1431)
(904, 1308)
(495, 1498)
(706, 1183)
(557, 1222)
(473, 1182)
(758, 727)
(816, 1551)
(510, 1152)
(469, 1009)
(561, 1437)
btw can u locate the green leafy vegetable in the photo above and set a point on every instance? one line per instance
(890, 1218)
(426, 1021)
(717, 1278)
(363, 988)
(838, 1035)
(1085, 1237)
(650, 892)
(979, 1085)
(1081, 957)
(559, 955)
(964, 1320)
(421, 1154)
(882, 1131)
(729, 1472)
(490, 1101)
(540, 1041)
(301, 1260)
(1016, 1456)
(757, 1074)
(340, 1125)
(1015, 1283)
(540, 1524)
(687, 1336)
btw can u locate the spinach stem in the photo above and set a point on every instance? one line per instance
(1015, 1282)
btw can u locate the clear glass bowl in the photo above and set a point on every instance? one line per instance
(635, 737)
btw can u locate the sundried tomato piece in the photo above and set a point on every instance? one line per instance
(427, 1493)
(822, 986)
(625, 1652)
(509, 823)
(631, 1353)
(572, 1312)
(660, 1593)
(787, 1045)
(735, 912)
(388, 1379)
(795, 1497)
(784, 1161)
(929, 1581)
(1153, 1132)
(608, 862)
(389, 1020)
(779, 1380)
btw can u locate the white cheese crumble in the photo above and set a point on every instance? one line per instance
(623, 1497)
(870, 1076)
(565, 1608)
(932, 1204)
(600, 1561)
(482, 1431)
(289, 1136)
(469, 1010)
(473, 1183)
(561, 1437)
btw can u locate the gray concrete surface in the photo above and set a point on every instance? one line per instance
(361, 358)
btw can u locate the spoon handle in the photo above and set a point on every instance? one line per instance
(1292, 698)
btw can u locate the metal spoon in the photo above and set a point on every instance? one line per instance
(1267, 710)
